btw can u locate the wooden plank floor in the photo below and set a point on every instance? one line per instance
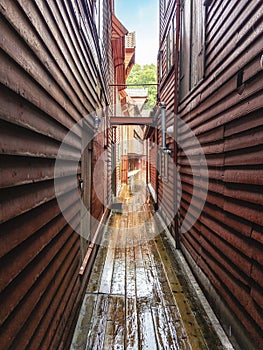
(133, 296)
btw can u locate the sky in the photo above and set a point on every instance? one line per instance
(141, 16)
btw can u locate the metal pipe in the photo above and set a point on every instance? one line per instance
(163, 123)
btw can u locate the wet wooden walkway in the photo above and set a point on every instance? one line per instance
(134, 299)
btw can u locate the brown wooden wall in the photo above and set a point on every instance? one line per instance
(225, 112)
(50, 78)
(167, 93)
(166, 180)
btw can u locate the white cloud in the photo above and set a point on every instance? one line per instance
(142, 17)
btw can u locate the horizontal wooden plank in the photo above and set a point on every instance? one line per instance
(24, 85)
(16, 110)
(240, 312)
(25, 253)
(222, 42)
(244, 157)
(66, 290)
(28, 170)
(16, 231)
(257, 253)
(49, 53)
(66, 296)
(257, 235)
(248, 122)
(239, 264)
(224, 73)
(244, 193)
(241, 295)
(33, 297)
(257, 274)
(215, 14)
(19, 141)
(223, 228)
(212, 160)
(257, 295)
(247, 139)
(213, 135)
(234, 106)
(17, 201)
(130, 120)
(22, 55)
(19, 290)
(250, 212)
(243, 176)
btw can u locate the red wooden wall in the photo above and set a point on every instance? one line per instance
(166, 187)
(225, 111)
(50, 78)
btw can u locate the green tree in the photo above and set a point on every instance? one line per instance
(145, 75)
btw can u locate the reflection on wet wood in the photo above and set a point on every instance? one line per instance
(99, 322)
(114, 335)
(146, 325)
(131, 324)
(133, 294)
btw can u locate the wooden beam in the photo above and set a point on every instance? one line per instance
(131, 121)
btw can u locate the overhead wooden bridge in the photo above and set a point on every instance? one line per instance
(138, 120)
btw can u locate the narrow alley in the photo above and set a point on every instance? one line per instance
(131, 174)
(138, 296)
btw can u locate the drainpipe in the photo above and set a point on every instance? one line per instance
(163, 121)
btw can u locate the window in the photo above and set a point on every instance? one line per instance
(160, 65)
(166, 56)
(171, 45)
(191, 44)
(170, 49)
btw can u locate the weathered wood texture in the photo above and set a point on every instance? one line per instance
(135, 298)
(165, 184)
(51, 77)
(226, 241)
(225, 111)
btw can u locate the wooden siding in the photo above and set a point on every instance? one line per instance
(225, 112)
(50, 79)
(166, 187)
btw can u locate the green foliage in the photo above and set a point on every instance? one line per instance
(145, 75)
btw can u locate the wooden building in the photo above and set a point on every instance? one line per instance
(210, 76)
(124, 49)
(57, 61)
